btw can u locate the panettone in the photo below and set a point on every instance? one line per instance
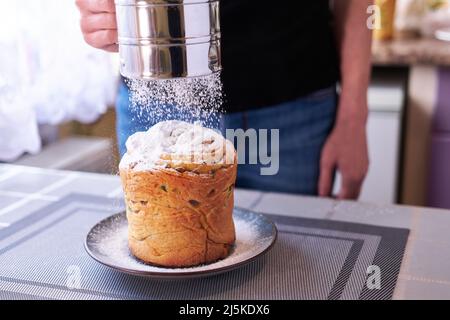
(178, 180)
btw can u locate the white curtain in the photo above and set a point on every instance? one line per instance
(48, 75)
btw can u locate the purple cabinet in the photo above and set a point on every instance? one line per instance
(439, 161)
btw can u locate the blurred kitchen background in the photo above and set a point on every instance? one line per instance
(57, 97)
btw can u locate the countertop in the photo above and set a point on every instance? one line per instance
(425, 271)
(404, 52)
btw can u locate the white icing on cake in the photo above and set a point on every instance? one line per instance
(176, 143)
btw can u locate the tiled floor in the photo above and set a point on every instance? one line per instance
(93, 185)
(425, 289)
(28, 182)
(381, 215)
(430, 260)
(23, 190)
(6, 200)
(20, 212)
(295, 206)
(434, 224)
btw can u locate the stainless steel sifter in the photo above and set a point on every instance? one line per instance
(163, 39)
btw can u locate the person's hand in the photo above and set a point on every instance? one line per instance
(345, 151)
(98, 23)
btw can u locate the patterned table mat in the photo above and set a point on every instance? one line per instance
(42, 257)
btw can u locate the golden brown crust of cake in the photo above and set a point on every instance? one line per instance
(180, 218)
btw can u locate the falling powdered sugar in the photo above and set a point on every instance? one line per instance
(197, 99)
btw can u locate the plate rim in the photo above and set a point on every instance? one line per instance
(182, 275)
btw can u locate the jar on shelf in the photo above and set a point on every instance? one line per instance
(385, 20)
(409, 16)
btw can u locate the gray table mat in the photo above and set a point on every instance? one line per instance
(313, 259)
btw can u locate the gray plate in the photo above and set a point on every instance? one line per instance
(108, 244)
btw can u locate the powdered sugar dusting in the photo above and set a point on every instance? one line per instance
(176, 142)
(108, 241)
(197, 99)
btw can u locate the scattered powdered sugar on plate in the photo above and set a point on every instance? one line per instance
(107, 242)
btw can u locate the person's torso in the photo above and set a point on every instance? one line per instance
(275, 51)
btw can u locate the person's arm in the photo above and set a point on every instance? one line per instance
(346, 148)
(98, 23)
